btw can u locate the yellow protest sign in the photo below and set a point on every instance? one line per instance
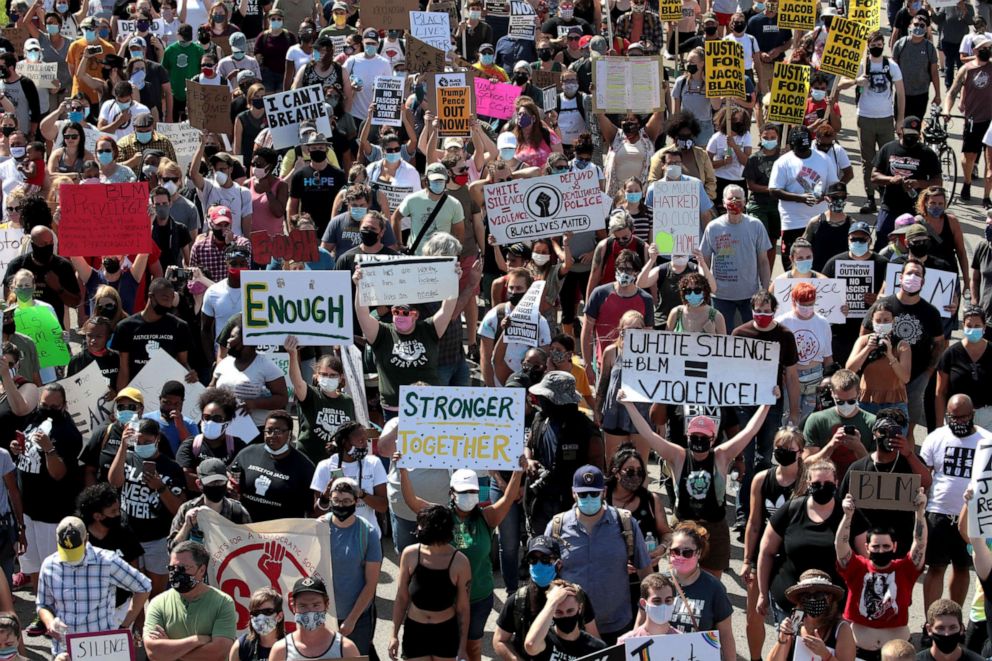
(797, 14)
(790, 85)
(844, 48)
(670, 10)
(866, 12)
(724, 69)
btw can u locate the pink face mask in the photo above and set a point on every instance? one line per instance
(684, 566)
(404, 324)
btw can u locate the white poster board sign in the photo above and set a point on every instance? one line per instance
(103, 645)
(10, 246)
(387, 94)
(523, 20)
(938, 287)
(315, 306)
(525, 319)
(286, 110)
(184, 138)
(43, 74)
(676, 216)
(980, 506)
(354, 382)
(859, 278)
(698, 646)
(432, 27)
(831, 295)
(162, 367)
(409, 280)
(88, 398)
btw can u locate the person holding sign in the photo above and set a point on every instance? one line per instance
(631, 146)
(823, 632)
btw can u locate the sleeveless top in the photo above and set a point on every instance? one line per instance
(432, 589)
(773, 496)
(333, 650)
(709, 326)
(249, 649)
(977, 97)
(262, 217)
(646, 519)
(830, 642)
(311, 77)
(612, 251)
(65, 168)
(251, 126)
(701, 490)
(880, 384)
(945, 247)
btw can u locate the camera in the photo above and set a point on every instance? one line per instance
(178, 276)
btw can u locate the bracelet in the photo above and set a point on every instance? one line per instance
(160, 490)
(52, 451)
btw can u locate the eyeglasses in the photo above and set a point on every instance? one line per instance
(632, 472)
(213, 418)
(573, 38)
(684, 552)
(846, 401)
(264, 611)
(402, 313)
(71, 136)
(276, 431)
(16, 209)
(392, 150)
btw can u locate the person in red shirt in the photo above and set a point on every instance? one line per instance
(816, 105)
(880, 587)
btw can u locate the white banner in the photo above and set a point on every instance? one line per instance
(525, 319)
(676, 216)
(432, 27)
(10, 246)
(286, 110)
(184, 138)
(698, 646)
(477, 428)
(88, 398)
(526, 209)
(831, 295)
(271, 554)
(938, 287)
(409, 280)
(315, 306)
(162, 367)
(696, 368)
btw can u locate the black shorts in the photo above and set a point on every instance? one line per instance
(971, 141)
(944, 543)
(439, 639)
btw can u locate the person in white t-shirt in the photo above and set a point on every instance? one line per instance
(116, 113)
(352, 459)
(256, 381)
(967, 49)
(812, 334)
(222, 300)
(730, 156)
(364, 68)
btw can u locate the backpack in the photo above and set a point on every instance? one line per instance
(198, 444)
(579, 102)
(626, 529)
(884, 72)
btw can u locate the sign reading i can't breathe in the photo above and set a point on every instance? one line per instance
(477, 428)
(286, 110)
(315, 306)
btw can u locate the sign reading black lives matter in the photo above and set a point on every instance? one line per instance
(285, 112)
(388, 98)
(696, 368)
(524, 209)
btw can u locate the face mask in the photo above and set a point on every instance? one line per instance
(918, 31)
(875, 51)
(475, 15)
(881, 558)
(466, 502)
(404, 324)
(685, 144)
(208, 72)
(759, 6)
(692, 68)
(436, 186)
(542, 574)
(738, 27)
(803, 265)
(370, 51)
(919, 248)
(89, 35)
(837, 205)
(815, 606)
(806, 311)
(212, 429)
(33, 56)
(847, 410)
(342, 512)
(508, 153)
(263, 624)
(318, 156)
(630, 482)
(633, 198)
(673, 172)
(910, 140)
(311, 621)
(769, 145)
(8, 652)
(946, 643)
(277, 452)
(215, 492)
(540, 259)
(524, 120)
(275, 25)
(146, 451)
(339, 19)
(570, 89)
(680, 262)
(217, 18)
(460, 179)
(125, 417)
(328, 383)
(558, 357)
(111, 265)
(625, 279)
(590, 505)
(567, 623)
(961, 429)
(695, 300)
(544, 54)
(104, 33)
(221, 178)
(822, 493)
(699, 444)
(973, 334)
(710, 30)
(911, 284)
(784, 457)
(566, 14)
(515, 298)
(487, 59)
(734, 206)
(763, 319)
(684, 566)
(882, 329)
(161, 310)
(392, 157)
(369, 237)
(18, 152)
(984, 55)
(859, 248)
(659, 613)
(580, 164)
(818, 95)
(75, 115)
(108, 310)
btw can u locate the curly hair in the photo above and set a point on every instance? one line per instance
(699, 535)
(692, 281)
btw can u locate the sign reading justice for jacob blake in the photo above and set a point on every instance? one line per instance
(696, 368)
(478, 428)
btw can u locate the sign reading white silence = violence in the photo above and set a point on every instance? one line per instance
(696, 368)
(524, 209)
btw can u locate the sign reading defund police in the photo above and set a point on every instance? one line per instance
(286, 110)
(524, 209)
(696, 368)
(315, 306)
(477, 428)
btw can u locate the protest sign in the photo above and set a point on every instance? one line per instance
(797, 14)
(43, 74)
(354, 382)
(628, 84)
(495, 99)
(868, 12)
(524, 209)
(185, 140)
(387, 95)
(615, 653)
(500, 8)
(394, 194)
(544, 79)
(295, 12)
(831, 295)
(670, 10)
(104, 645)
(286, 110)
(422, 58)
(979, 470)
(698, 646)
(790, 87)
(454, 112)
(676, 216)
(525, 320)
(10, 246)
(87, 398)
(209, 107)
(17, 37)
(275, 554)
(885, 491)
(315, 306)
(724, 69)
(432, 27)
(41, 325)
(696, 368)
(127, 28)
(477, 428)
(162, 367)
(104, 219)
(409, 280)
(844, 48)
(387, 14)
(860, 279)
(298, 246)
(523, 20)
(939, 287)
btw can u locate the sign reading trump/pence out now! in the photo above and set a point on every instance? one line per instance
(525, 209)
(477, 428)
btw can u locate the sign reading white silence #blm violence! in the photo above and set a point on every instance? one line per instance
(524, 209)
(407, 280)
(696, 368)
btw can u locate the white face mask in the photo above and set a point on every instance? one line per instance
(673, 172)
(171, 187)
(540, 259)
(328, 383)
(847, 410)
(882, 329)
(220, 178)
(659, 613)
(466, 502)
(212, 429)
(680, 262)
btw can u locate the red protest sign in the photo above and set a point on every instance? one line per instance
(299, 246)
(104, 219)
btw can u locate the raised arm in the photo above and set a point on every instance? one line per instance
(842, 541)
(668, 451)
(370, 327)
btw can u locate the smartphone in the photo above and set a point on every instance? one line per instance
(850, 430)
(336, 473)
(148, 467)
(94, 50)
(797, 620)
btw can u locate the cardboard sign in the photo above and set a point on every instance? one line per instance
(17, 37)
(724, 69)
(285, 112)
(387, 95)
(525, 320)
(797, 14)
(980, 507)
(298, 246)
(495, 100)
(860, 279)
(525, 209)
(866, 12)
(844, 48)
(354, 382)
(408, 280)
(104, 645)
(87, 398)
(477, 428)
(432, 27)
(185, 140)
(670, 10)
(523, 20)
(831, 294)
(295, 13)
(885, 491)
(938, 290)
(10, 246)
(315, 306)
(697, 368)
(104, 219)
(790, 87)
(628, 84)
(43, 74)
(698, 646)
(545, 79)
(615, 653)
(209, 107)
(454, 112)
(160, 368)
(40, 324)
(387, 14)
(675, 223)
(423, 58)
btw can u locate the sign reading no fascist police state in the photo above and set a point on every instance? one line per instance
(524, 209)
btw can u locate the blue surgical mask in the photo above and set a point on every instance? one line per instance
(633, 198)
(8, 652)
(695, 300)
(275, 25)
(370, 51)
(52, 29)
(973, 334)
(76, 116)
(580, 164)
(859, 248)
(238, 55)
(357, 213)
(759, 6)
(818, 95)
(392, 157)
(436, 186)
(590, 505)
(803, 265)
(487, 59)
(542, 574)
(769, 144)
(105, 158)
(89, 35)
(146, 451)
(144, 137)
(508, 153)
(125, 417)
(123, 105)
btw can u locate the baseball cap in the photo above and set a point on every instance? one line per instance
(245, 75)
(309, 584)
(212, 471)
(136, 42)
(437, 171)
(224, 157)
(584, 41)
(487, 48)
(130, 393)
(71, 537)
(543, 544)
(913, 231)
(451, 143)
(911, 125)
(276, 11)
(588, 479)
(506, 140)
(702, 424)
(238, 41)
(32, 44)
(370, 35)
(339, 6)
(219, 214)
(859, 226)
(464, 479)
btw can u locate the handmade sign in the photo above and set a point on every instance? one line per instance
(41, 325)
(884, 491)
(387, 95)
(790, 87)
(696, 368)
(544, 79)
(980, 474)
(104, 645)
(160, 368)
(354, 382)
(670, 10)
(831, 295)
(477, 428)
(549, 96)
(454, 111)
(844, 48)
(797, 14)
(315, 306)
(523, 20)
(299, 246)
(422, 58)
(10, 246)
(615, 653)
(409, 280)
(209, 107)
(495, 100)
(724, 69)
(525, 209)
(939, 287)
(104, 219)
(432, 27)
(394, 194)
(126, 28)
(43, 74)
(184, 138)
(860, 279)
(87, 398)
(525, 319)
(698, 646)
(628, 84)
(866, 12)
(675, 222)
(286, 110)
(387, 14)
(17, 37)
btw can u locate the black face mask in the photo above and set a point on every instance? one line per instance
(369, 237)
(710, 30)
(214, 492)
(318, 156)
(46, 412)
(984, 55)
(815, 606)
(516, 298)
(342, 512)
(108, 310)
(875, 51)
(7, 130)
(737, 27)
(9, 328)
(629, 128)
(785, 457)
(946, 643)
(111, 265)
(567, 624)
(881, 558)
(910, 140)
(180, 581)
(210, 151)
(161, 310)
(111, 522)
(699, 444)
(520, 77)
(961, 429)
(42, 254)
(822, 493)
(919, 248)
(536, 372)
(545, 54)
(692, 68)
(824, 399)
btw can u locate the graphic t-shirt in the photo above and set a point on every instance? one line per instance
(951, 459)
(45, 498)
(733, 250)
(404, 359)
(140, 338)
(322, 415)
(918, 162)
(901, 522)
(709, 603)
(606, 307)
(812, 337)
(879, 598)
(918, 324)
(876, 97)
(813, 174)
(274, 487)
(316, 190)
(558, 649)
(368, 472)
(144, 512)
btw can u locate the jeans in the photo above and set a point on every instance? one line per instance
(455, 374)
(728, 308)
(364, 631)
(758, 452)
(952, 62)
(404, 532)
(509, 541)
(705, 132)
(885, 222)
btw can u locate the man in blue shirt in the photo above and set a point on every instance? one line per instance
(172, 423)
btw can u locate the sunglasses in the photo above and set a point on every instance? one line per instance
(392, 150)
(683, 552)
(846, 401)
(695, 290)
(536, 561)
(17, 209)
(174, 180)
(127, 407)
(71, 136)
(264, 611)
(402, 313)
(573, 38)
(632, 472)
(104, 151)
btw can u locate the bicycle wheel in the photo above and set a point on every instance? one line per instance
(949, 170)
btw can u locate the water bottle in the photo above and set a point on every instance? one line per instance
(650, 542)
